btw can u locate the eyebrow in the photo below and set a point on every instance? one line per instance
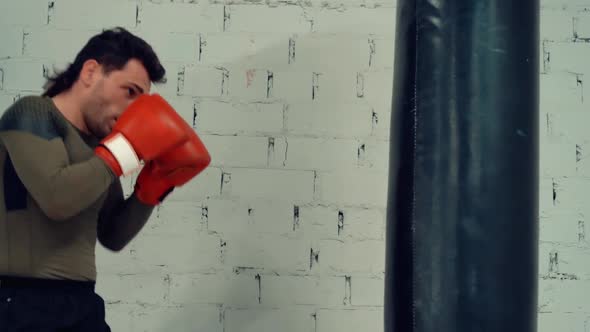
(137, 87)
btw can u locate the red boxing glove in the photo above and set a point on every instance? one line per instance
(172, 169)
(146, 129)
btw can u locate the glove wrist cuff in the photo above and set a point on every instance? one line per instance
(123, 153)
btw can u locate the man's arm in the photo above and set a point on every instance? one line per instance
(33, 139)
(121, 219)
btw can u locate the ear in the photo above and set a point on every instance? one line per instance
(90, 72)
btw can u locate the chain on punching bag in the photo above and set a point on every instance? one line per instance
(462, 216)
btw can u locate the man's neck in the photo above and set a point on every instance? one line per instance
(69, 107)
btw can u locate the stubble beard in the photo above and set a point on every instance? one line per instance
(92, 114)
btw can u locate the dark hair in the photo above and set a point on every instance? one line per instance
(112, 48)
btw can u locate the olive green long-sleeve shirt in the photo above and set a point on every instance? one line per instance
(57, 198)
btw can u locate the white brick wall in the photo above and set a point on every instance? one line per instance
(285, 230)
(564, 247)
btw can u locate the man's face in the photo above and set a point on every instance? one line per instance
(111, 94)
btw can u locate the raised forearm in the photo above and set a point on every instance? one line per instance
(62, 190)
(120, 224)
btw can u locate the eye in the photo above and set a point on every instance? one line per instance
(130, 92)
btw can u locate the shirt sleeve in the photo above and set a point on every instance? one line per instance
(33, 139)
(121, 219)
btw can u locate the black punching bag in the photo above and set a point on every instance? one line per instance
(462, 215)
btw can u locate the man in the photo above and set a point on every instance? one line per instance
(61, 156)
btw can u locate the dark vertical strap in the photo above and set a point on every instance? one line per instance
(15, 193)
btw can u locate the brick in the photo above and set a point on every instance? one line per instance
(373, 154)
(334, 257)
(174, 72)
(289, 185)
(376, 88)
(226, 289)
(570, 322)
(202, 81)
(568, 57)
(544, 57)
(235, 151)
(581, 26)
(262, 216)
(556, 25)
(184, 106)
(289, 319)
(173, 318)
(367, 291)
(266, 251)
(354, 187)
(92, 15)
(277, 151)
(544, 129)
(329, 119)
(381, 122)
(262, 18)
(247, 50)
(382, 52)
(321, 154)
(561, 92)
(354, 20)
(569, 192)
(244, 118)
(339, 4)
(545, 257)
(22, 75)
(582, 163)
(182, 47)
(320, 221)
(340, 86)
(557, 159)
(562, 226)
(545, 194)
(559, 261)
(563, 4)
(568, 127)
(11, 39)
(176, 218)
(363, 224)
(147, 288)
(349, 320)
(549, 260)
(331, 53)
(59, 45)
(563, 296)
(292, 86)
(302, 290)
(206, 184)
(24, 12)
(119, 316)
(185, 253)
(186, 17)
(249, 84)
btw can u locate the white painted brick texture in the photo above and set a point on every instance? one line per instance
(286, 229)
(564, 184)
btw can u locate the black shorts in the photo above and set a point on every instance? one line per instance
(40, 305)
